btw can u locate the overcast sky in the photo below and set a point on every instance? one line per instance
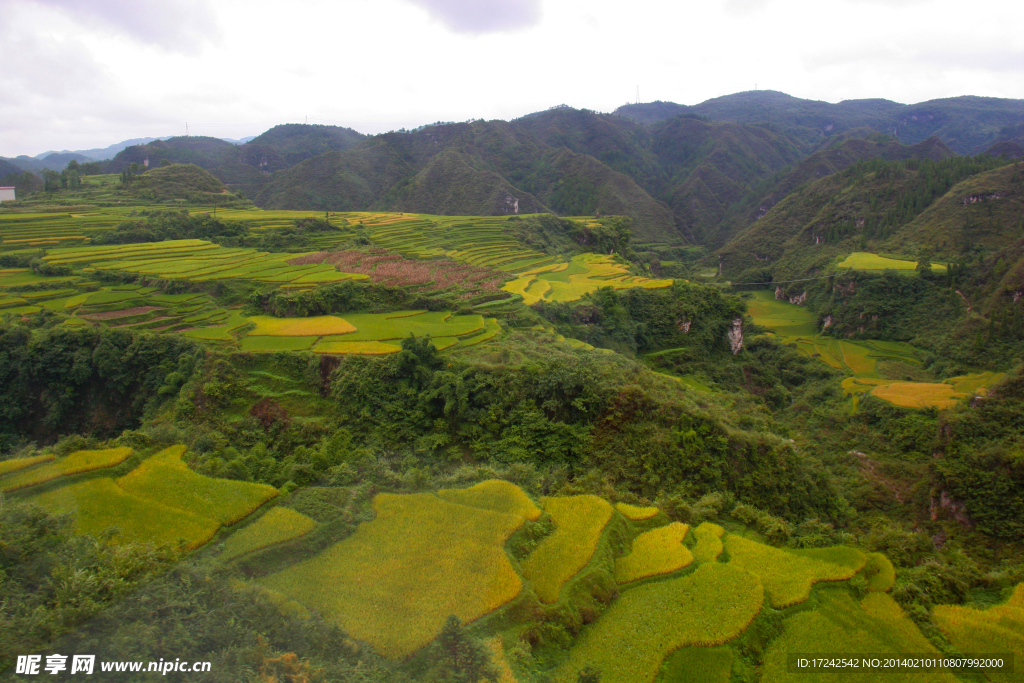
(77, 74)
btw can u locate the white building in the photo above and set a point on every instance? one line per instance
(7, 194)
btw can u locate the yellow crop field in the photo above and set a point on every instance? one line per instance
(165, 479)
(317, 326)
(496, 495)
(917, 394)
(658, 551)
(629, 642)
(79, 461)
(839, 624)
(585, 273)
(364, 348)
(990, 631)
(395, 581)
(579, 521)
(787, 577)
(8, 466)
(636, 513)
(278, 525)
(709, 542)
(862, 260)
(535, 291)
(100, 504)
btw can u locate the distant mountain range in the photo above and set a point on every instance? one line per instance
(685, 174)
(58, 160)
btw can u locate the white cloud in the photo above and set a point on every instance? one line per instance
(483, 16)
(177, 25)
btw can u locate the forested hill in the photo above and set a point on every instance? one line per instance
(969, 125)
(695, 175)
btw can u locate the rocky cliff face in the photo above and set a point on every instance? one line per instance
(736, 336)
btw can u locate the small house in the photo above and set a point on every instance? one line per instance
(7, 194)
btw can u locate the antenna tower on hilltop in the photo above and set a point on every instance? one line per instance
(186, 129)
(638, 94)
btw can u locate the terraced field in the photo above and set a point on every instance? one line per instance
(199, 316)
(197, 261)
(584, 274)
(161, 500)
(424, 556)
(861, 260)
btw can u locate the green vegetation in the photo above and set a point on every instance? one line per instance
(698, 665)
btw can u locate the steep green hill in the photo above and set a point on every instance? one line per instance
(867, 207)
(7, 168)
(186, 181)
(818, 165)
(481, 167)
(288, 144)
(617, 142)
(713, 165)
